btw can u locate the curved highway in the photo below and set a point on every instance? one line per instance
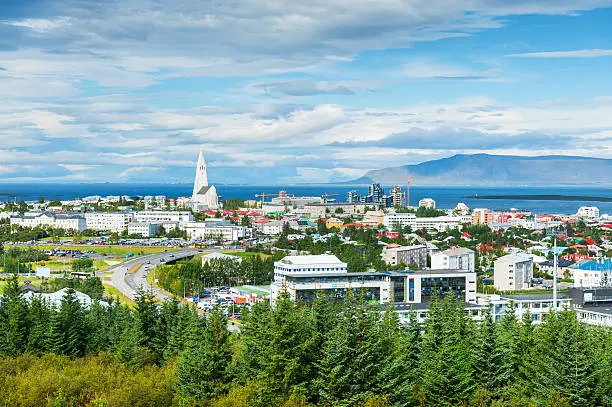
(130, 283)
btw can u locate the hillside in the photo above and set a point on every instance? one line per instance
(485, 169)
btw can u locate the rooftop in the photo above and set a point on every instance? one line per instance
(311, 259)
(514, 258)
(458, 251)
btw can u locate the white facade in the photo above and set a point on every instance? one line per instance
(456, 259)
(440, 223)
(204, 196)
(590, 212)
(108, 221)
(296, 277)
(215, 230)
(145, 229)
(513, 272)
(163, 216)
(407, 255)
(591, 278)
(272, 228)
(427, 203)
(66, 222)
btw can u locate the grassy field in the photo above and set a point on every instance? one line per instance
(135, 268)
(35, 281)
(111, 291)
(136, 250)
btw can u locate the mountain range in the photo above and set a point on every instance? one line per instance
(496, 170)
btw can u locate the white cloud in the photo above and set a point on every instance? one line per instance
(583, 53)
(130, 172)
(77, 167)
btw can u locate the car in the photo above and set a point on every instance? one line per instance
(148, 262)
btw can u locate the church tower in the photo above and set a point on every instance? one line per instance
(204, 196)
(201, 177)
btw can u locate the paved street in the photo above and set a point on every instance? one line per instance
(130, 283)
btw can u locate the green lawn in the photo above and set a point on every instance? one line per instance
(136, 250)
(111, 291)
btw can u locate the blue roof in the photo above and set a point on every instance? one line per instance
(605, 265)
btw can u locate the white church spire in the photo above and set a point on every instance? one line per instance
(201, 178)
(204, 195)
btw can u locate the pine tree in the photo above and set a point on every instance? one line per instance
(147, 319)
(204, 364)
(13, 319)
(40, 323)
(68, 327)
(399, 375)
(487, 355)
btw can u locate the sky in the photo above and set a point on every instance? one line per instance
(295, 91)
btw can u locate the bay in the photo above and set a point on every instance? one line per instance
(445, 197)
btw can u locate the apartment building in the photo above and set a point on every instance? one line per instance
(395, 254)
(458, 258)
(513, 272)
(108, 221)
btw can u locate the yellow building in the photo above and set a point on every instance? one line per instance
(334, 223)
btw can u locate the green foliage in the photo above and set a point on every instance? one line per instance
(322, 354)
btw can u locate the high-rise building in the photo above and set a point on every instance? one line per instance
(353, 197)
(398, 196)
(204, 196)
(376, 193)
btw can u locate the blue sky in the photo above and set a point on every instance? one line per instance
(281, 92)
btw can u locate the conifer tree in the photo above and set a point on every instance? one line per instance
(68, 327)
(39, 321)
(204, 364)
(13, 319)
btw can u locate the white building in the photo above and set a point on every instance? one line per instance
(108, 221)
(272, 228)
(144, 229)
(407, 255)
(589, 212)
(163, 216)
(204, 196)
(439, 223)
(215, 231)
(59, 221)
(303, 278)
(513, 272)
(459, 258)
(427, 203)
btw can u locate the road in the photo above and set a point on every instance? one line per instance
(130, 283)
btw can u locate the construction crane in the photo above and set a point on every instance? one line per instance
(263, 196)
(324, 195)
(408, 183)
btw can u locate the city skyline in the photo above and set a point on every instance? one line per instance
(296, 92)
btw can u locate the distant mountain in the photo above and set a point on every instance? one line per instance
(485, 169)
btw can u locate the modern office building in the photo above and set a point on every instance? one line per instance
(513, 272)
(394, 254)
(458, 258)
(108, 221)
(304, 277)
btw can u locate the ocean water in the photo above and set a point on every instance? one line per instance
(445, 197)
